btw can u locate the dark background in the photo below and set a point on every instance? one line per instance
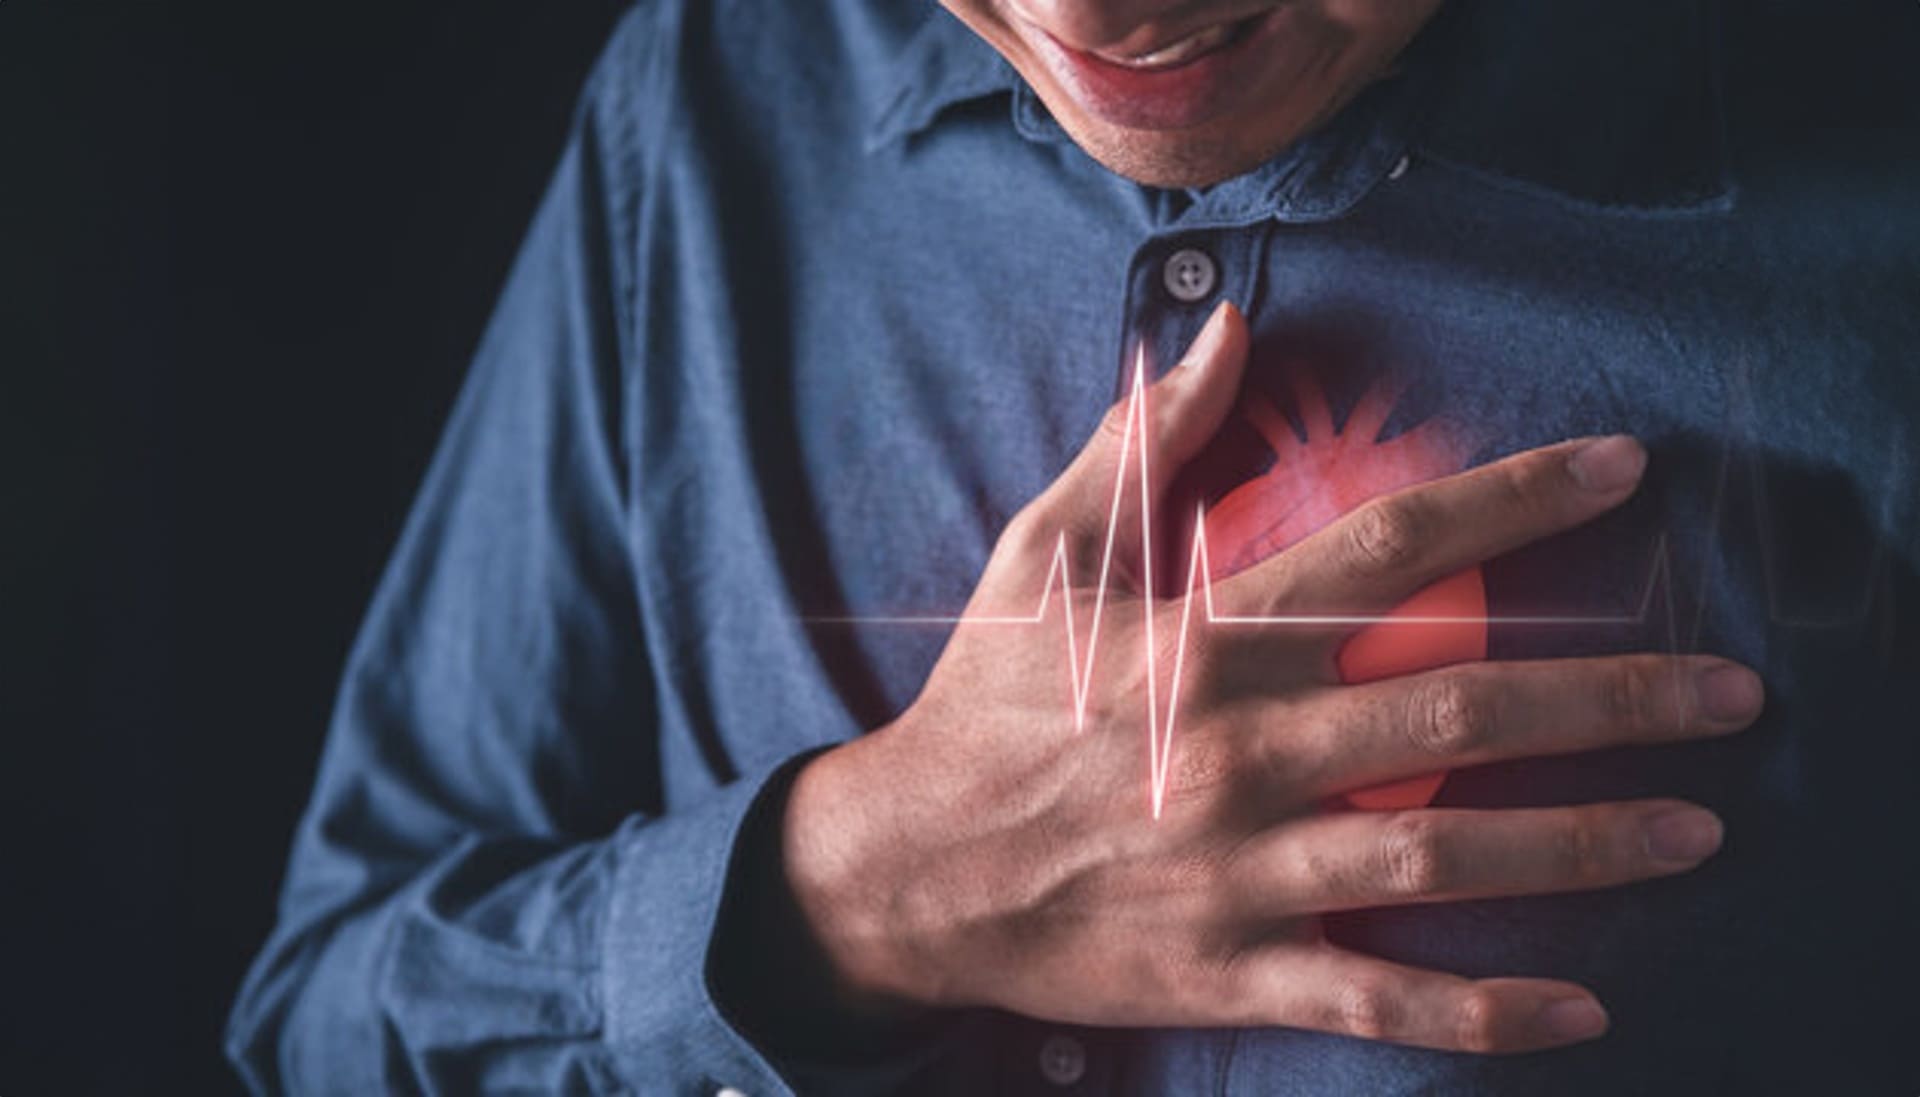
(245, 252)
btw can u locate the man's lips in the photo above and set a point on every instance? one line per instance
(1179, 51)
(1173, 85)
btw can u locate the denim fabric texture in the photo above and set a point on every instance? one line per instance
(820, 295)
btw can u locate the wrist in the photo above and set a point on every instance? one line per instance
(771, 971)
(836, 875)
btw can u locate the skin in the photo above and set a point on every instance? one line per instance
(980, 852)
(1328, 51)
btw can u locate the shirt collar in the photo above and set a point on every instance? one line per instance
(1603, 103)
(942, 64)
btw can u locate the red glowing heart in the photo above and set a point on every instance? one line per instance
(1319, 477)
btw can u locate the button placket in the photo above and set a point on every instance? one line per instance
(1165, 306)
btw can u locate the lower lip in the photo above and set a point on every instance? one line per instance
(1175, 97)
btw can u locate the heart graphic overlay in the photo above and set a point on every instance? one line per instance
(1321, 471)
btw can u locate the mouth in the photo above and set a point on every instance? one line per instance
(1180, 51)
(1173, 84)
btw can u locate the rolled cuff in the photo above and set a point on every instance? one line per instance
(670, 1023)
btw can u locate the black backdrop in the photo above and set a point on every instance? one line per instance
(245, 251)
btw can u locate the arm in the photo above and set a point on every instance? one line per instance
(486, 890)
(982, 850)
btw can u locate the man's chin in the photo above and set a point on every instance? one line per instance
(1170, 159)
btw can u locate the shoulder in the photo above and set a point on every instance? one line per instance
(1812, 77)
(1823, 108)
(751, 67)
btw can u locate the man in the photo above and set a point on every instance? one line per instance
(1191, 440)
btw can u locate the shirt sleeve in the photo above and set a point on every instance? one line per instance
(487, 891)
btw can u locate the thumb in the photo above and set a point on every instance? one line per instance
(1170, 420)
(1099, 497)
(1189, 404)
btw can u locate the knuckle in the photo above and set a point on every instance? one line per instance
(1413, 856)
(1449, 715)
(1385, 537)
(1230, 985)
(1365, 1008)
(1477, 1022)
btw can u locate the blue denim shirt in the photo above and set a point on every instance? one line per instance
(820, 296)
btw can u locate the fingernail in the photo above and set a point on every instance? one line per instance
(1573, 1019)
(1206, 345)
(1683, 835)
(1608, 465)
(1729, 693)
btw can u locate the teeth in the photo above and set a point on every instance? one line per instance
(1193, 45)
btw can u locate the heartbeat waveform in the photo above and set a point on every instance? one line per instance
(1135, 450)
(1136, 447)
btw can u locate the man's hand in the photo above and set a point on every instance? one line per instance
(981, 852)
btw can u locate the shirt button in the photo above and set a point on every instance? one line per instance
(1400, 167)
(1189, 275)
(728, 1091)
(1063, 1060)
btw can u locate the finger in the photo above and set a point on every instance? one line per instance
(1473, 713)
(1357, 859)
(1330, 989)
(1355, 569)
(1164, 424)
(1191, 403)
